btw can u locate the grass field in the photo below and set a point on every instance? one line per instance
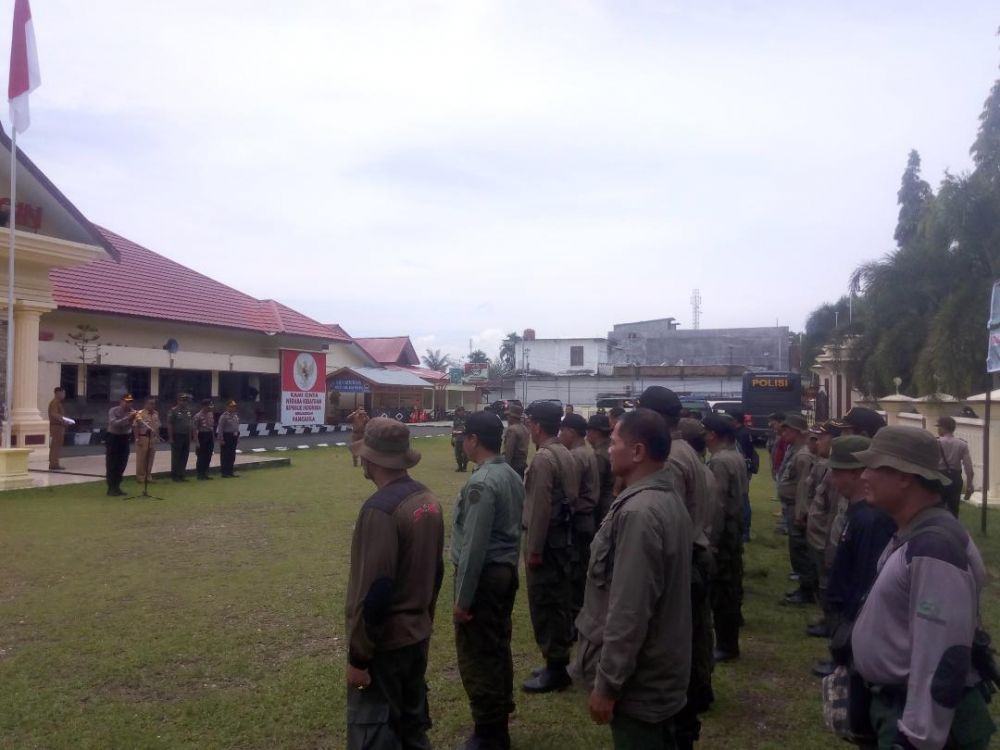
(214, 619)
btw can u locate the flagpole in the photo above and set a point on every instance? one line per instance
(11, 224)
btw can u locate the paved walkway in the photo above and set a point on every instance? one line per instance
(80, 469)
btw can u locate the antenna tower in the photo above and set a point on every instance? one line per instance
(696, 309)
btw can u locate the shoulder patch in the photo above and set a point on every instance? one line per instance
(939, 543)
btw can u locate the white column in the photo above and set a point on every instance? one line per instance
(215, 384)
(154, 381)
(81, 380)
(26, 324)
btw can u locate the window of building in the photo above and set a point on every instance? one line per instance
(174, 382)
(576, 356)
(111, 383)
(67, 379)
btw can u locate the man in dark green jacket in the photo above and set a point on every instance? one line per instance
(634, 653)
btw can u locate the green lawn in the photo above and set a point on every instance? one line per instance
(214, 620)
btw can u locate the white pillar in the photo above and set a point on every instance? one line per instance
(215, 384)
(81, 381)
(26, 324)
(154, 382)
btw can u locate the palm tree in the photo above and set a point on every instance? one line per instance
(434, 360)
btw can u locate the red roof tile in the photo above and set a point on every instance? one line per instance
(179, 294)
(390, 350)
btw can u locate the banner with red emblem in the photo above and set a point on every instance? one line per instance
(303, 387)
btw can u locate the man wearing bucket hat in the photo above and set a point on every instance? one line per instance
(485, 547)
(913, 641)
(516, 440)
(396, 572)
(793, 489)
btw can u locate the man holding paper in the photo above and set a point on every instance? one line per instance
(57, 429)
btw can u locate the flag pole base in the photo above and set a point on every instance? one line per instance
(14, 469)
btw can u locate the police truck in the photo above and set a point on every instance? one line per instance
(765, 393)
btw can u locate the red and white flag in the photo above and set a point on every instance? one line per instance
(24, 75)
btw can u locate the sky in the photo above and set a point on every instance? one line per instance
(458, 170)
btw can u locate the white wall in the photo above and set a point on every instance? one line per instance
(553, 355)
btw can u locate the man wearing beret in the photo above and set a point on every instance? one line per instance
(396, 572)
(180, 433)
(516, 440)
(730, 472)
(573, 435)
(485, 547)
(599, 437)
(793, 490)
(913, 641)
(552, 484)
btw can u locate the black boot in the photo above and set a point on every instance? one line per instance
(491, 736)
(553, 677)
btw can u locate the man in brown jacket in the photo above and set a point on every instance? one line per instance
(551, 487)
(396, 571)
(57, 429)
(635, 628)
(516, 440)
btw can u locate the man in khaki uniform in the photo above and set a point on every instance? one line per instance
(599, 437)
(824, 502)
(57, 429)
(551, 487)
(516, 440)
(357, 419)
(397, 566)
(146, 431)
(573, 435)
(793, 490)
(730, 472)
(634, 653)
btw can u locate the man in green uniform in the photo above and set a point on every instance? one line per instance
(573, 436)
(180, 433)
(634, 653)
(516, 440)
(551, 487)
(599, 437)
(458, 438)
(730, 472)
(485, 546)
(793, 489)
(691, 479)
(396, 572)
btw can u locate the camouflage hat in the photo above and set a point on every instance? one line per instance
(387, 444)
(843, 450)
(796, 422)
(909, 450)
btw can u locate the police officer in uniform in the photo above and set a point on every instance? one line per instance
(228, 431)
(180, 429)
(116, 443)
(551, 487)
(458, 438)
(204, 427)
(485, 546)
(516, 440)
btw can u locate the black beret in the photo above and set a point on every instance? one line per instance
(661, 400)
(720, 424)
(575, 422)
(599, 422)
(544, 411)
(483, 423)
